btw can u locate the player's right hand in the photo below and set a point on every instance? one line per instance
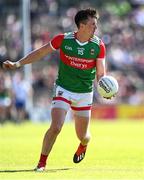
(9, 65)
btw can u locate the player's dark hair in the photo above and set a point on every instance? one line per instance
(83, 15)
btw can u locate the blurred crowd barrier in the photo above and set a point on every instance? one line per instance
(113, 112)
(120, 26)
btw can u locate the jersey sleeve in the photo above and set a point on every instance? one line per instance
(57, 41)
(102, 53)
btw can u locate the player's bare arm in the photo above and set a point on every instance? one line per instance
(100, 66)
(30, 58)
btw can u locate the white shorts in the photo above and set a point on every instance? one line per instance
(79, 102)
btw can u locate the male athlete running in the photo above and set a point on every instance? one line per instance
(82, 58)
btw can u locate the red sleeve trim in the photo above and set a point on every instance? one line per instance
(57, 41)
(102, 53)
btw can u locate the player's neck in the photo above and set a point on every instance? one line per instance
(82, 37)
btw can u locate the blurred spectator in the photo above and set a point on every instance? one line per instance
(22, 91)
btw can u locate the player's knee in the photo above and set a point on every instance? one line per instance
(56, 129)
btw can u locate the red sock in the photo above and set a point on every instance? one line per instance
(81, 149)
(42, 161)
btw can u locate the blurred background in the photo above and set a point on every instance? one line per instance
(26, 94)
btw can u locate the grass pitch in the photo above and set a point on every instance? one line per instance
(116, 152)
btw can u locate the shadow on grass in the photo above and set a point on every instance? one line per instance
(32, 170)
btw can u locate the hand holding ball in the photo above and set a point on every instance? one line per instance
(107, 86)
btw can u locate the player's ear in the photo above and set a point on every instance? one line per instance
(81, 26)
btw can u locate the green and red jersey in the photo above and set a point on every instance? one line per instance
(77, 66)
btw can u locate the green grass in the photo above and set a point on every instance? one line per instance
(116, 152)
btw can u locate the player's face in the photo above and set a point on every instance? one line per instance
(91, 26)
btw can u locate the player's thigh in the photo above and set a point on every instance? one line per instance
(58, 117)
(59, 111)
(60, 106)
